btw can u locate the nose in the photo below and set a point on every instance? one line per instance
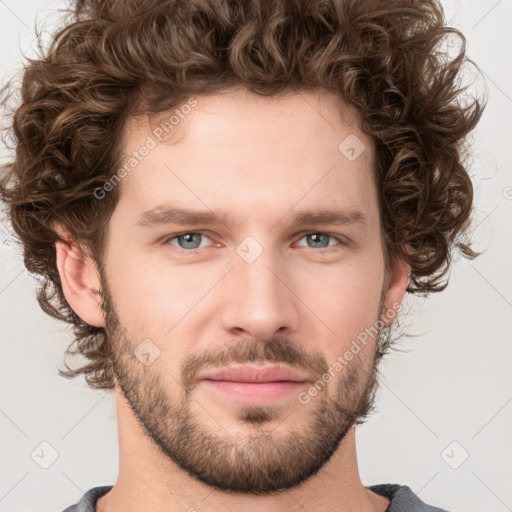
(260, 299)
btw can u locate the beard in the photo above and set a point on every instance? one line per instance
(258, 459)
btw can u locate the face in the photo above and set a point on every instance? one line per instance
(260, 284)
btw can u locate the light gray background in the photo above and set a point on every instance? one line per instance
(451, 385)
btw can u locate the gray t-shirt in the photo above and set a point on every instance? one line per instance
(402, 499)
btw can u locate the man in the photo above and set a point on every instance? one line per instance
(230, 201)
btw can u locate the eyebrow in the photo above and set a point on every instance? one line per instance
(167, 214)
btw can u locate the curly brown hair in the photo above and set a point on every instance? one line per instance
(116, 59)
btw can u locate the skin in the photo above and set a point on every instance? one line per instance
(298, 304)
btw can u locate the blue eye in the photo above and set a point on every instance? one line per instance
(191, 240)
(318, 239)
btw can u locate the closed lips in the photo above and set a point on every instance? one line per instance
(255, 375)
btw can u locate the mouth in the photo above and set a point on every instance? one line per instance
(256, 385)
(255, 374)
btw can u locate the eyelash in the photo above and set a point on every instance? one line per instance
(342, 241)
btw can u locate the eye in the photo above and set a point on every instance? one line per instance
(319, 239)
(187, 240)
(191, 240)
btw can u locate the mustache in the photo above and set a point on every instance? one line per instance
(273, 351)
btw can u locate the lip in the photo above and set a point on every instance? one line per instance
(255, 374)
(254, 393)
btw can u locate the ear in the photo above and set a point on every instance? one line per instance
(397, 283)
(80, 280)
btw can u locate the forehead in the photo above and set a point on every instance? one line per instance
(240, 109)
(239, 152)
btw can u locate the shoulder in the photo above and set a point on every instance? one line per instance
(88, 501)
(403, 499)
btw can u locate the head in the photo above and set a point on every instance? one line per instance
(265, 117)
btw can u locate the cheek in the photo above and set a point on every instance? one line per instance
(349, 305)
(345, 298)
(139, 295)
(159, 299)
